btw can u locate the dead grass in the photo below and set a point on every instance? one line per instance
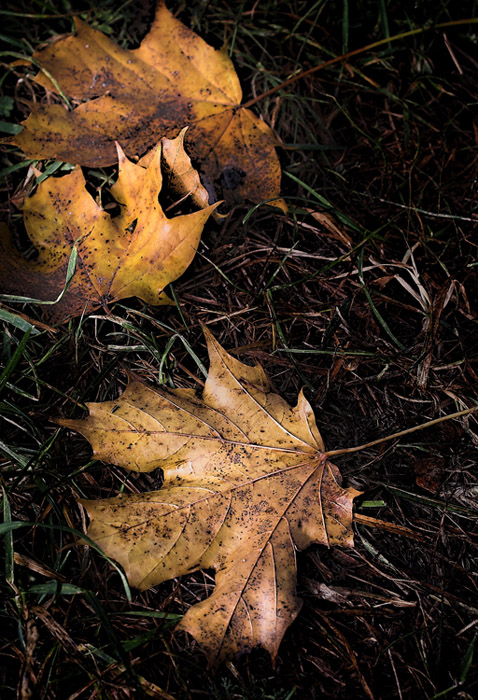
(365, 293)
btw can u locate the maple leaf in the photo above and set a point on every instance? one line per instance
(173, 79)
(246, 484)
(136, 253)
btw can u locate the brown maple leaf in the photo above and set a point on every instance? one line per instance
(173, 79)
(136, 253)
(246, 484)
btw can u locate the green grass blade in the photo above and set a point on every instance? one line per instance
(345, 26)
(382, 5)
(18, 524)
(467, 660)
(376, 312)
(17, 321)
(325, 202)
(121, 654)
(9, 561)
(9, 128)
(15, 358)
(55, 588)
(70, 271)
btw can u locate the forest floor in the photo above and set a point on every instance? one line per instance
(364, 293)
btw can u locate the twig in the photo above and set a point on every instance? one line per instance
(385, 525)
(355, 52)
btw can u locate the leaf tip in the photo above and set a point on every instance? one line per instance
(120, 152)
(210, 339)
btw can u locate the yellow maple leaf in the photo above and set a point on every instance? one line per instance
(246, 484)
(173, 79)
(137, 253)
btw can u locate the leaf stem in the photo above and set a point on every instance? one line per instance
(428, 424)
(355, 52)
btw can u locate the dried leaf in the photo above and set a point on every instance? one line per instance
(246, 484)
(134, 254)
(183, 179)
(173, 79)
(429, 473)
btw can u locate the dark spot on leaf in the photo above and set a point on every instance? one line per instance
(232, 178)
(132, 226)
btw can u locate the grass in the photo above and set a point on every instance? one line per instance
(365, 292)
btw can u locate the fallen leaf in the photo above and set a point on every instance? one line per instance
(328, 222)
(429, 473)
(246, 484)
(137, 253)
(182, 178)
(173, 79)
